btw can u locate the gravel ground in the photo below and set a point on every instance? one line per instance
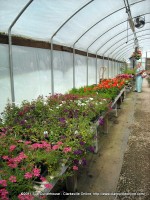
(135, 173)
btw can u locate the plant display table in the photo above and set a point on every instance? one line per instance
(48, 139)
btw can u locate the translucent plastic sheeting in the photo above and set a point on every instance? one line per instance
(32, 75)
(42, 18)
(90, 15)
(63, 71)
(5, 92)
(80, 71)
(91, 71)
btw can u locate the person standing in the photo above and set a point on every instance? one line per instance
(139, 78)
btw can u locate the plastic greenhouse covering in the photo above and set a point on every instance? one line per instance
(98, 27)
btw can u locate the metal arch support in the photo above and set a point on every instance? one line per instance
(124, 44)
(124, 54)
(51, 43)
(119, 34)
(128, 49)
(116, 43)
(121, 48)
(103, 19)
(91, 28)
(84, 34)
(110, 30)
(10, 51)
(124, 49)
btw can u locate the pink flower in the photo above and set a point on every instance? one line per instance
(2, 135)
(13, 179)
(12, 147)
(20, 141)
(25, 197)
(3, 194)
(22, 155)
(28, 175)
(42, 178)
(27, 142)
(48, 186)
(46, 145)
(55, 147)
(5, 157)
(3, 183)
(11, 164)
(67, 149)
(37, 145)
(75, 168)
(36, 172)
(59, 143)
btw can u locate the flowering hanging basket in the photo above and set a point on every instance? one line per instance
(137, 55)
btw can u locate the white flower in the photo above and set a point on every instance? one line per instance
(45, 132)
(76, 132)
(91, 99)
(80, 162)
(52, 177)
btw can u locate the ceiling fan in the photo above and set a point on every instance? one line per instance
(139, 21)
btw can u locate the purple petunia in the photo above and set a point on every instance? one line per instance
(78, 152)
(84, 162)
(101, 121)
(91, 149)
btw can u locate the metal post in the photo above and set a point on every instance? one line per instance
(51, 41)
(146, 61)
(10, 52)
(108, 67)
(73, 67)
(52, 68)
(96, 68)
(87, 58)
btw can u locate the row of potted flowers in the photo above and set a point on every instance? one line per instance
(38, 138)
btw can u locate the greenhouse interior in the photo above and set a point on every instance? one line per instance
(74, 99)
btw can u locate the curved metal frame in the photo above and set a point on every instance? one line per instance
(128, 44)
(110, 30)
(117, 43)
(91, 28)
(51, 43)
(10, 51)
(124, 53)
(119, 34)
(130, 47)
(142, 43)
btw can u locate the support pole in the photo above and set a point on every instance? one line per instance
(10, 52)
